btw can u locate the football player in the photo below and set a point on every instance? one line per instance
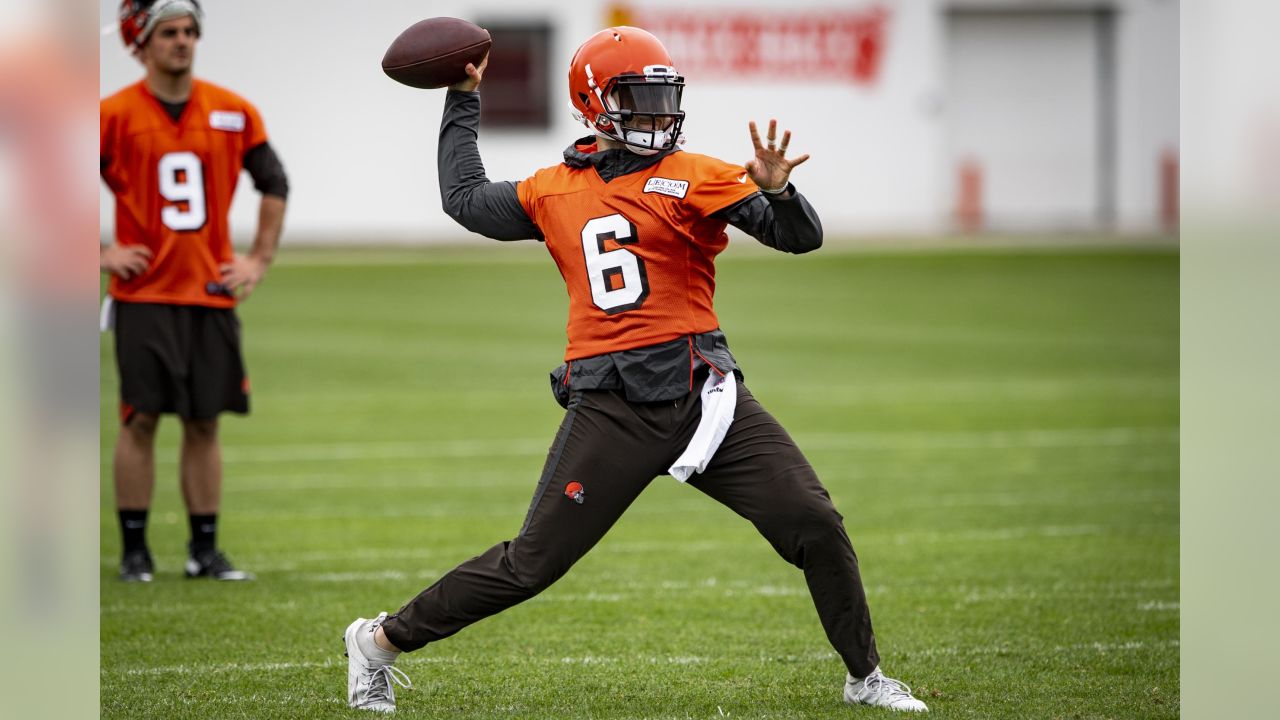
(172, 151)
(634, 224)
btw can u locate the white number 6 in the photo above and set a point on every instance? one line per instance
(618, 278)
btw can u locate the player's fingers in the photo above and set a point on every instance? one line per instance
(786, 140)
(773, 132)
(142, 250)
(755, 135)
(799, 160)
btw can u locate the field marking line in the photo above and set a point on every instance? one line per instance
(827, 441)
(816, 656)
(223, 668)
(361, 479)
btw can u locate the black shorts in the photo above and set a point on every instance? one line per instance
(181, 359)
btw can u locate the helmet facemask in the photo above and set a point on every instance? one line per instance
(643, 111)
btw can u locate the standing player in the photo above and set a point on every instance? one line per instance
(172, 151)
(649, 384)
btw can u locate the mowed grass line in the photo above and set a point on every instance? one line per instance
(999, 429)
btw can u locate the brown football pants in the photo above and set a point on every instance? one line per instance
(613, 449)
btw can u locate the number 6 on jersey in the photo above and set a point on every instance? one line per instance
(618, 279)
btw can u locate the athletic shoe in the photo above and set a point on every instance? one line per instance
(213, 564)
(370, 684)
(879, 691)
(136, 566)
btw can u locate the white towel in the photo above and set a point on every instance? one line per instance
(107, 316)
(719, 398)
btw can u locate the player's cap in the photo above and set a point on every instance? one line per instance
(139, 17)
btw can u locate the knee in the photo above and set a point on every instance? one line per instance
(824, 520)
(816, 524)
(814, 540)
(200, 430)
(534, 573)
(806, 528)
(141, 427)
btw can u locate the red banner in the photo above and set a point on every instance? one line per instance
(737, 44)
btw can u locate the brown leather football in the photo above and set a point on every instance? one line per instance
(434, 53)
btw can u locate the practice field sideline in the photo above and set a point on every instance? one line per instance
(998, 427)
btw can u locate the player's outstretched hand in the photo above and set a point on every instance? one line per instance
(124, 261)
(243, 274)
(474, 74)
(770, 167)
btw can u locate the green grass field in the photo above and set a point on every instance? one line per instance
(999, 428)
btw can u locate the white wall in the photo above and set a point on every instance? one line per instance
(360, 149)
(1031, 125)
(1148, 74)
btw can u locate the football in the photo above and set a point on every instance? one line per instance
(434, 53)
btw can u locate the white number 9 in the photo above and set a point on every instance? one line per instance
(182, 182)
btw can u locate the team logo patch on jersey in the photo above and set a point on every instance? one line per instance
(664, 186)
(574, 491)
(228, 120)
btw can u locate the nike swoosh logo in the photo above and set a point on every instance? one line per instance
(743, 178)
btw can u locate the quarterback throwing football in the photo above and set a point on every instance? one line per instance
(634, 224)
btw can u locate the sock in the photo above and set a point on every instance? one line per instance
(376, 655)
(133, 526)
(857, 679)
(204, 530)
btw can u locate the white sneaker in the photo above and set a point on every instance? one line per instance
(879, 691)
(369, 683)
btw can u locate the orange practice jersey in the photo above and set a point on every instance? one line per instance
(637, 253)
(173, 183)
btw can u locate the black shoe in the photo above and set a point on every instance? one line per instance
(212, 564)
(136, 566)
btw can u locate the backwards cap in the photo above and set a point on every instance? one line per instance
(139, 17)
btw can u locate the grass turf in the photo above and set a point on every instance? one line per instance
(999, 429)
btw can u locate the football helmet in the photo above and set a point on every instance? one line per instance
(139, 17)
(622, 85)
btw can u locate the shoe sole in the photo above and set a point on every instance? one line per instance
(240, 575)
(347, 639)
(855, 703)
